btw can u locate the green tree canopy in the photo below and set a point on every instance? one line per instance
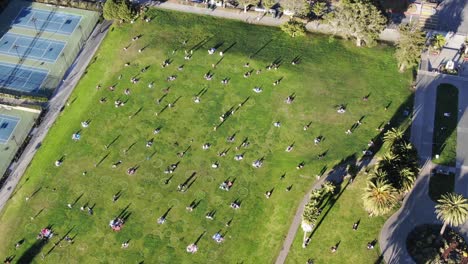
(125, 12)
(409, 46)
(359, 20)
(452, 209)
(379, 197)
(113, 10)
(319, 9)
(110, 10)
(294, 28)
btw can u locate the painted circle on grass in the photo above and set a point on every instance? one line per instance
(31, 228)
(105, 179)
(123, 186)
(200, 195)
(140, 191)
(155, 197)
(174, 203)
(250, 102)
(157, 163)
(243, 192)
(163, 179)
(52, 197)
(209, 178)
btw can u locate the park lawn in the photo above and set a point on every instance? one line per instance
(337, 227)
(445, 127)
(330, 73)
(441, 183)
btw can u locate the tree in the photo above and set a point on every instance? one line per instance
(393, 135)
(379, 197)
(438, 41)
(359, 20)
(319, 9)
(328, 188)
(409, 46)
(297, 7)
(309, 218)
(452, 209)
(246, 3)
(124, 11)
(110, 10)
(294, 28)
(268, 4)
(407, 178)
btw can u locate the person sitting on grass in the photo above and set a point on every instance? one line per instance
(300, 166)
(257, 164)
(257, 89)
(218, 237)
(131, 171)
(161, 220)
(206, 146)
(235, 205)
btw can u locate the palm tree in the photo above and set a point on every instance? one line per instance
(452, 209)
(407, 179)
(393, 135)
(438, 41)
(309, 218)
(379, 197)
(380, 174)
(328, 187)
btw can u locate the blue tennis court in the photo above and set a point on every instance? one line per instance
(21, 78)
(7, 127)
(45, 20)
(31, 48)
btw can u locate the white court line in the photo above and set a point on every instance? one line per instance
(17, 120)
(61, 15)
(46, 72)
(45, 50)
(63, 44)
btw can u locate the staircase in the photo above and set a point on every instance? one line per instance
(429, 17)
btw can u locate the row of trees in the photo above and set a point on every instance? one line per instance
(395, 175)
(299, 8)
(312, 210)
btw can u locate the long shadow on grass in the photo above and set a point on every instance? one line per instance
(336, 175)
(332, 201)
(445, 117)
(32, 252)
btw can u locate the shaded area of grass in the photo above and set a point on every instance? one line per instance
(445, 125)
(329, 74)
(342, 213)
(440, 183)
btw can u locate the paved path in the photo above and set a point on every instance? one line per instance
(259, 18)
(453, 16)
(55, 104)
(335, 175)
(417, 207)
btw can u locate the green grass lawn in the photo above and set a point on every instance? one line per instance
(329, 74)
(445, 125)
(439, 184)
(337, 227)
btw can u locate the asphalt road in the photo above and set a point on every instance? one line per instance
(453, 16)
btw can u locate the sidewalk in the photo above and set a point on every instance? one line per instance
(251, 17)
(55, 105)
